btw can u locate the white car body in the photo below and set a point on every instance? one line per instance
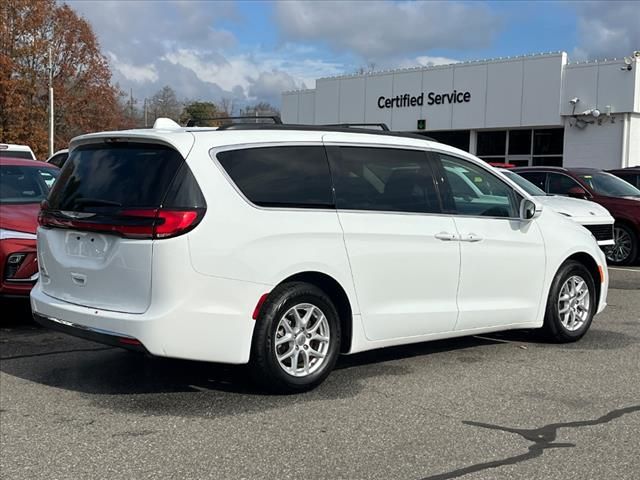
(16, 151)
(589, 214)
(407, 277)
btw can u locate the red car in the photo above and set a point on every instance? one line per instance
(619, 197)
(23, 185)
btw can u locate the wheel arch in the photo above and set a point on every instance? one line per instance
(591, 265)
(338, 295)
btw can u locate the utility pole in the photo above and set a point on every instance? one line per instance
(50, 102)
(146, 123)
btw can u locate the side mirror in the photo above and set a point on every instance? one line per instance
(578, 192)
(529, 210)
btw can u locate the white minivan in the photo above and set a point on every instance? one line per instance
(283, 246)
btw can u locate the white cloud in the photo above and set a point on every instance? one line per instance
(607, 29)
(379, 29)
(424, 61)
(135, 73)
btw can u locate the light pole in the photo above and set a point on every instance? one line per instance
(51, 132)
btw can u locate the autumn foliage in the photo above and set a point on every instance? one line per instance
(84, 99)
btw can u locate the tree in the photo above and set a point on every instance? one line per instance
(201, 113)
(84, 99)
(260, 109)
(164, 103)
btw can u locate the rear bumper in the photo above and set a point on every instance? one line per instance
(190, 323)
(88, 333)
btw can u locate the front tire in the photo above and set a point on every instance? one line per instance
(571, 305)
(296, 340)
(625, 249)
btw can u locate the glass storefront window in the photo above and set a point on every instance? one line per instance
(454, 138)
(520, 142)
(548, 141)
(491, 143)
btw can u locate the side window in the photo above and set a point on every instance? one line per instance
(383, 179)
(292, 176)
(471, 190)
(58, 160)
(560, 184)
(537, 178)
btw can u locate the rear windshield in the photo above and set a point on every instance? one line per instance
(102, 176)
(22, 184)
(16, 154)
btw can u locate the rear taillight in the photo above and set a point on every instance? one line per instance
(153, 223)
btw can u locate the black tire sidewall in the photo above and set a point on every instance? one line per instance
(266, 368)
(552, 324)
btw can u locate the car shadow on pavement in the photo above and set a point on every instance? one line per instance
(118, 379)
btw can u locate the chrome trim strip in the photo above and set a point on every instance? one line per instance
(31, 279)
(66, 323)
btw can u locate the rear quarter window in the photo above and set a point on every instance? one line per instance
(289, 176)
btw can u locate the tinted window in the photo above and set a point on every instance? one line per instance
(102, 176)
(548, 141)
(16, 154)
(293, 176)
(383, 179)
(21, 184)
(520, 142)
(59, 159)
(473, 190)
(491, 143)
(525, 184)
(455, 138)
(560, 184)
(537, 178)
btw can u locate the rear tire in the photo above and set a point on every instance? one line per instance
(296, 340)
(625, 249)
(571, 305)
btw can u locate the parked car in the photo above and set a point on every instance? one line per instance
(590, 215)
(629, 174)
(23, 185)
(10, 150)
(619, 197)
(284, 245)
(59, 158)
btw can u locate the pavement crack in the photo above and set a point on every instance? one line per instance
(543, 438)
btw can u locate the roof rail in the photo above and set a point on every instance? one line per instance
(321, 128)
(381, 126)
(275, 118)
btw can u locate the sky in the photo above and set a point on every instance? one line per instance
(250, 51)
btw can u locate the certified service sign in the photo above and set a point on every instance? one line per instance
(433, 98)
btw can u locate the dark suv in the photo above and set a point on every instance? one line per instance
(619, 197)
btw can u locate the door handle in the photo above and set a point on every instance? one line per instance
(445, 236)
(472, 237)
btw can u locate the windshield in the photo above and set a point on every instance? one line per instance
(21, 184)
(525, 184)
(610, 185)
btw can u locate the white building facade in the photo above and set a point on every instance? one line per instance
(529, 110)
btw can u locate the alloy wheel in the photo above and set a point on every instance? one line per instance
(573, 303)
(302, 340)
(622, 247)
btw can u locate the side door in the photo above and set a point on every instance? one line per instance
(502, 256)
(402, 250)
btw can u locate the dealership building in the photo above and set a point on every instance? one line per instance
(529, 110)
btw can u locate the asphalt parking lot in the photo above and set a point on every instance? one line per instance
(496, 407)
